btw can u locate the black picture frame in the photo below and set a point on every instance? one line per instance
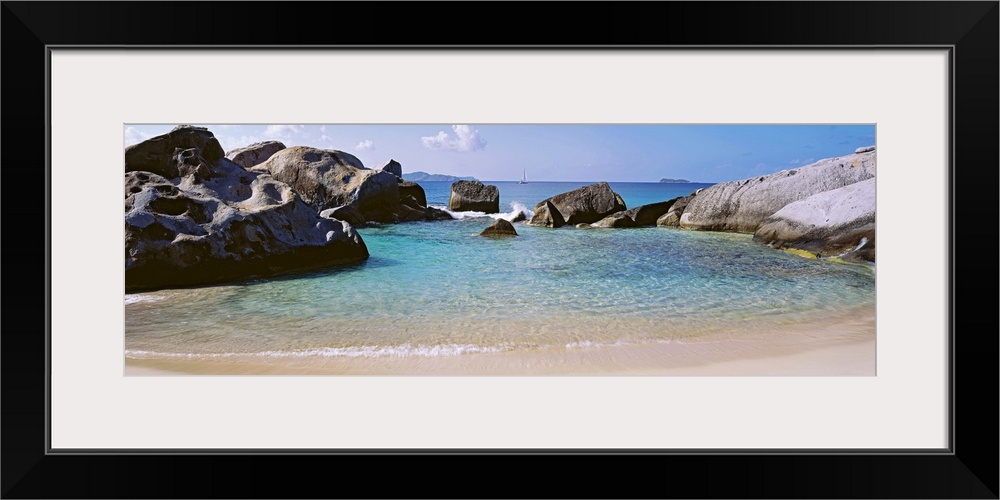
(968, 469)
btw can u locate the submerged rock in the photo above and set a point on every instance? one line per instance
(327, 178)
(254, 154)
(500, 227)
(615, 220)
(229, 225)
(835, 223)
(519, 216)
(743, 205)
(474, 196)
(587, 204)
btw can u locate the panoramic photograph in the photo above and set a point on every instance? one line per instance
(499, 249)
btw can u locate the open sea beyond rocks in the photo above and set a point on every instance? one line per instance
(438, 289)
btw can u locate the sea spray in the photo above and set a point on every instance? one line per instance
(515, 208)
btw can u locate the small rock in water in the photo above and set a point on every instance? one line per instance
(518, 217)
(864, 149)
(499, 228)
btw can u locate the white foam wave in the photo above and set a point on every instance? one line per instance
(461, 215)
(863, 242)
(402, 351)
(132, 298)
(515, 207)
(587, 343)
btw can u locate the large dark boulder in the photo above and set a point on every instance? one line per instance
(175, 154)
(835, 223)
(230, 225)
(408, 188)
(327, 178)
(393, 167)
(743, 205)
(474, 196)
(585, 205)
(254, 154)
(500, 227)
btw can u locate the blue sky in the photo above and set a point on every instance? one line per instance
(622, 153)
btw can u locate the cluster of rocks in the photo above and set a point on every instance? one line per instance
(338, 185)
(196, 215)
(826, 208)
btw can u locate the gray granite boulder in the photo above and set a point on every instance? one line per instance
(587, 204)
(672, 217)
(474, 196)
(546, 214)
(408, 188)
(327, 178)
(864, 149)
(645, 215)
(500, 227)
(254, 154)
(743, 205)
(393, 167)
(835, 223)
(231, 225)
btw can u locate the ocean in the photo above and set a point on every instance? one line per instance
(434, 289)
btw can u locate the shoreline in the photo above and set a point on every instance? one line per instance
(833, 346)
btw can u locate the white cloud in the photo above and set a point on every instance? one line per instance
(325, 138)
(808, 161)
(365, 145)
(795, 162)
(466, 139)
(801, 162)
(135, 136)
(282, 131)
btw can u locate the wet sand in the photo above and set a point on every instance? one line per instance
(840, 346)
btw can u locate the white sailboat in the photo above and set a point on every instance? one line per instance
(524, 178)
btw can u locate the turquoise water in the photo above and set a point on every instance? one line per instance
(437, 288)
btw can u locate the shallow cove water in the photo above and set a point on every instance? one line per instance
(438, 289)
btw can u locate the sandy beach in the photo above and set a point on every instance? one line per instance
(837, 346)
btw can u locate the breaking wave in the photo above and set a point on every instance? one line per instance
(515, 207)
(401, 351)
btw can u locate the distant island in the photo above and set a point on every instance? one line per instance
(675, 181)
(424, 176)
